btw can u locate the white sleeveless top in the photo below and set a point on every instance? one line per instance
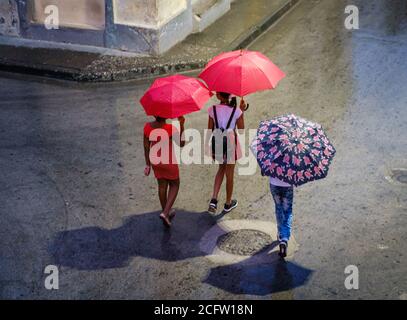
(223, 112)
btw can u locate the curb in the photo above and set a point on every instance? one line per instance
(36, 70)
(254, 32)
(145, 72)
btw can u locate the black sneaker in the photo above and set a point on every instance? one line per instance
(227, 208)
(283, 249)
(213, 206)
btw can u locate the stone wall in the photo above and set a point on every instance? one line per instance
(147, 13)
(170, 9)
(136, 13)
(9, 18)
(208, 11)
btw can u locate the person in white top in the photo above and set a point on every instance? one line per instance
(278, 182)
(224, 118)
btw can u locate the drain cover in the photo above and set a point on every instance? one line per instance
(244, 242)
(399, 175)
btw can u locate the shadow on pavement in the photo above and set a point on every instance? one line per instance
(94, 248)
(140, 235)
(258, 278)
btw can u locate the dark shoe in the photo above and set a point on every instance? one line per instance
(283, 249)
(229, 207)
(213, 206)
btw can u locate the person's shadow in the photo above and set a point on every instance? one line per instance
(94, 248)
(143, 235)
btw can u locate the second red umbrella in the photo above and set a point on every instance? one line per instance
(241, 72)
(175, 96)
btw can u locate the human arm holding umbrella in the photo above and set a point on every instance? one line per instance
(182, 129)
(243, 106)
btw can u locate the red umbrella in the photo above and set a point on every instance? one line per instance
(175, 96)
(241, 72)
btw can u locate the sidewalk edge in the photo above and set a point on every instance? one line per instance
(243, 41)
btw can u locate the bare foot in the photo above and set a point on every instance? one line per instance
(172, 214)
(165, 220)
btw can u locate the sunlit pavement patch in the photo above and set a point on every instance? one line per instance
(248, 241)
(397, 176)
(244, 242)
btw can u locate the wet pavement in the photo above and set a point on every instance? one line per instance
(72, 190)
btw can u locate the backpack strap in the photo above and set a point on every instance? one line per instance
(216, 117)
(231, 118)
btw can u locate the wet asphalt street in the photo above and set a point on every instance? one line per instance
(72, 190)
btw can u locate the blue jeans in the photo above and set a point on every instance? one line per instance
(283, 199)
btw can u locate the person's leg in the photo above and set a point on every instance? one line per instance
(230, 173)
(162, 192)
(213, 204)
(218, 181)
(283, 198)
(278, 201)
(172, 195)
(287, 206)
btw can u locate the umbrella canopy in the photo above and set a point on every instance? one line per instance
(241, 72)
(292, 149)
(175, 96)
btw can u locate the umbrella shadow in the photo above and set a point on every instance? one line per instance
(259, 276)
(143, 235)
(95, 248)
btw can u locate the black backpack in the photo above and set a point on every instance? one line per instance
(227, 148)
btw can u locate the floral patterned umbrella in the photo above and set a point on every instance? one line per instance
(292, 149)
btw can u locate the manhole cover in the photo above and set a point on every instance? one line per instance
(244, 242)
(399, 175)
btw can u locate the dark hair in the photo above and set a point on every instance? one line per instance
(224, 95)
(232, 103)
(159, 119)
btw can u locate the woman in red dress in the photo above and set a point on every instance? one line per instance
(159, 154)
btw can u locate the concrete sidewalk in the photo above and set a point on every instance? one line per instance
(236, 29)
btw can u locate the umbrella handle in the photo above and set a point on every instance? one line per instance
(247, 107)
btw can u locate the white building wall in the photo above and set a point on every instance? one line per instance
(143, 26)
(82, 14)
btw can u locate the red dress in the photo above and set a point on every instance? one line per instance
(162, 155)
